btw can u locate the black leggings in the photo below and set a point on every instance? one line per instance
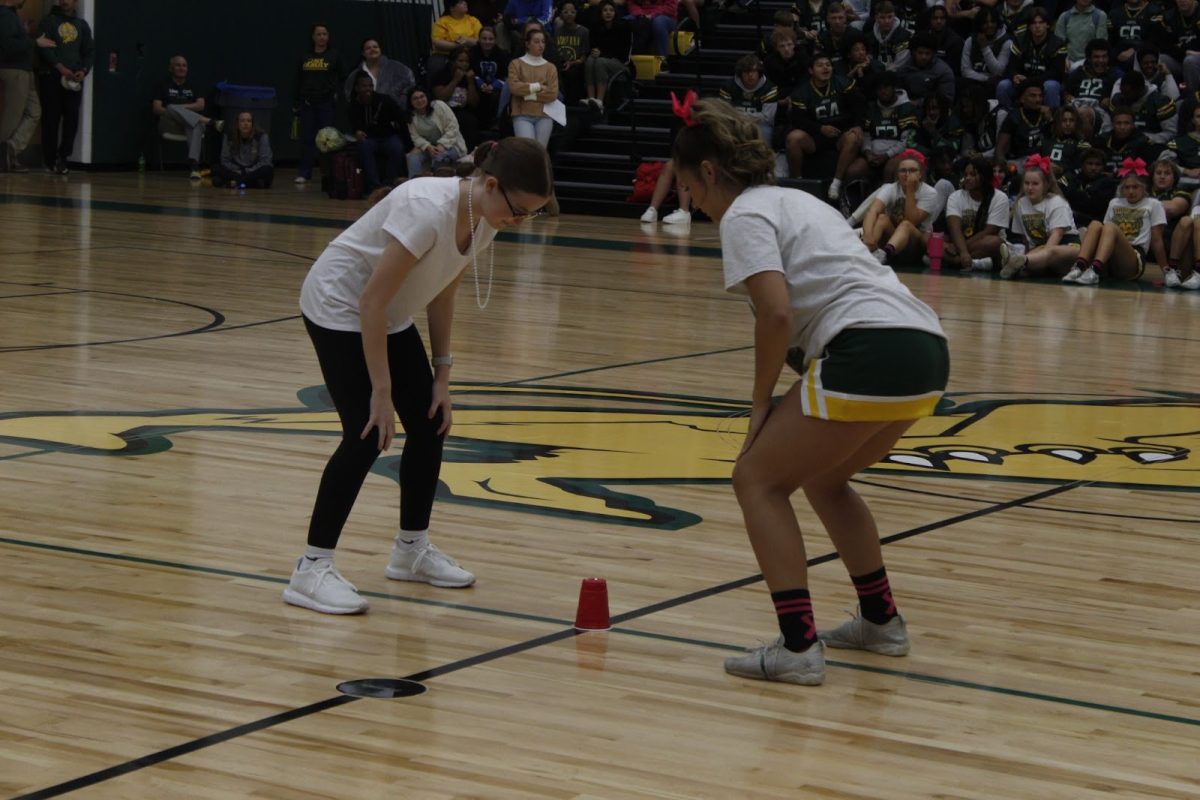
(344, 368)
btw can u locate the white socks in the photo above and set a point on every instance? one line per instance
(314, 553)
(835, 184)
(412, 540)
(981, 263)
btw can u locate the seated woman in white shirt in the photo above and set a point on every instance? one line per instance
(900, 218)
(1133, 226)
(976, 217)
(1042, 222)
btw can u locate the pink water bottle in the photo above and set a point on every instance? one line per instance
(937, 245)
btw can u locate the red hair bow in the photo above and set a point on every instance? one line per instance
(683, 110)
(1039, 162)
(1134, 165)
(915, 155)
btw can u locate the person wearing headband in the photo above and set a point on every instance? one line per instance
(1117, 247)
(900, 218)
(1042, 221)
(872, 358)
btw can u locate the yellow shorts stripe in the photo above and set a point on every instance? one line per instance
(879, 409)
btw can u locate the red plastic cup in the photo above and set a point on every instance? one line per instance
(935, 248)
(592, 612)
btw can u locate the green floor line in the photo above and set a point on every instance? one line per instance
(229, 573)
(563, 623)
(670, 248)
(937, 680)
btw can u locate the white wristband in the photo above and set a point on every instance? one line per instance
(443, 361)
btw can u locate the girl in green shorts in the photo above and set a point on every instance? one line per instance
(872, 359)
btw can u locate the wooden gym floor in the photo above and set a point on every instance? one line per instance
(162, 431)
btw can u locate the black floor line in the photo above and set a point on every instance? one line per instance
(520, 647)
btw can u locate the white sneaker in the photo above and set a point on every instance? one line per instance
(1073, 276)
(427, 565)
(880, 254)
(1088, 278)
(1171, 278)
(774, 662)
(1010, 262)
(651, 215)
(678, 217)
(319, 586)
(1192, 282)
(889, 639)
(300, 180)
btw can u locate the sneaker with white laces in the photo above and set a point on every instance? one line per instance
(1088, 278)
(678, 217)
(650, 215)
(1010, 262)
(889, 639)
(1192, 282)
(774, 662)
(427, 565)
(1073, 276)
(1171, 278)
(317, 585)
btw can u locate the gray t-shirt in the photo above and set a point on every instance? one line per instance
(422, 215)
(834, 282)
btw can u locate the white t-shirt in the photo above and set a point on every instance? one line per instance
(1135, 221)
(834, 282)
(421, 215)
(892, 197)
(1034, 222)
(962, 205)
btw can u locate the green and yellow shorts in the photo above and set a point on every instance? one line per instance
(874, 375)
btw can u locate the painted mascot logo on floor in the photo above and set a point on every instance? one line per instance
(582, 452)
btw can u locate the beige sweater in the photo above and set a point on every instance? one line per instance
(521, 75)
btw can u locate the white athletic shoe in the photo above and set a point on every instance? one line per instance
(300, 180)
(1088, 278)
(1010, 262)
(1171, 278)
(1192, 282)
(318, 585)
(889, 639)
(774, 662)
(1073, 276)
(427, 565)
(651, 215)
(678, 217)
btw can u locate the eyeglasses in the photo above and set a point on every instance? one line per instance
(518, 214)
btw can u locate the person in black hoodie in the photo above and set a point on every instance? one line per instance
(317, 85)
(611, 40)
(1089, 188)
(61, 72)
(379, 124)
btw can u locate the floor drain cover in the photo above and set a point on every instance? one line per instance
(380, 687)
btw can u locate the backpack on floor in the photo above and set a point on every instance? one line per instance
(348, 180)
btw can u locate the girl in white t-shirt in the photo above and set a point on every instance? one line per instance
(406, 255)
(1134, 222)
(872, 357)
(976, 217)
(1041, 220)
(900, 218)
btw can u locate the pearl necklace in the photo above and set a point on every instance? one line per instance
(483, 304)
